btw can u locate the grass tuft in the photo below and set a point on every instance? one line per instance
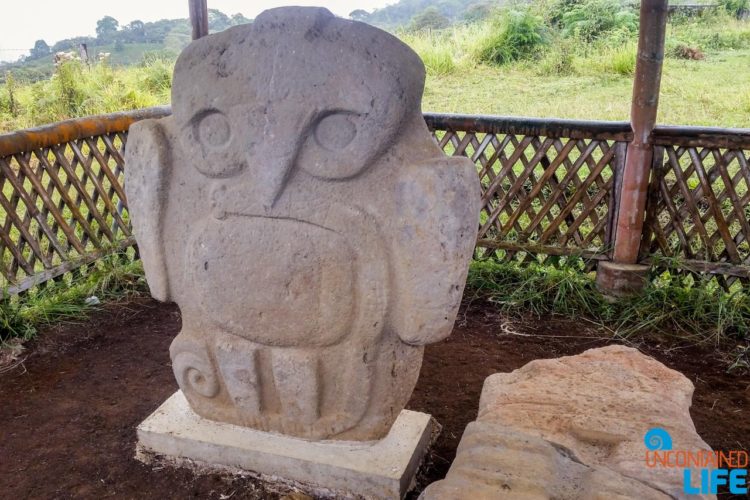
(558, 60)
(110, 278)
(698, 310)
(515, 35)
(619, 60)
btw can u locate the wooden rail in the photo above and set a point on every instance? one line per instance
(549, 192)
(72, 130)
(517, 125)
(704, 137)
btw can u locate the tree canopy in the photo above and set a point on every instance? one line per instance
(40, 49)
(403, 12)
(106, 27)
(430, 18)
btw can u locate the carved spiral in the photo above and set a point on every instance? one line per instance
(195, 374)
(658, 439)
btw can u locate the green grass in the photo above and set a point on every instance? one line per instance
(698, 311)
(712, 92)
(437, 56)
(77, 90)
(692, 310)
(574, 79)
(130, 53)
(112, 277)
(566, 78)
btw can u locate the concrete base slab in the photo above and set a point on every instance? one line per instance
(382, 469)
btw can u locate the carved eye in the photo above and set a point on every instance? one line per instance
(336, 130)
(211, 137)
(213, 129)
(338, 146)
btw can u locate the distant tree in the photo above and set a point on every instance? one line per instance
(10, 85)
(401, 13)
(478, 12)
(157, 31)
(738, 8)
(40, 49)
(359, 15)
(431, 19)
(136, 31)
(73, 43)
(106, 28)
(119, 46)
(238, 19)
(178, 38)
(218, 21)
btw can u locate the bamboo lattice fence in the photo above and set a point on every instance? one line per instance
(62, 198)
(698, 209)
(547, 185)
(550, 189)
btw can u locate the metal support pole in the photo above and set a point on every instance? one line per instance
(199, 17)
(622, 276)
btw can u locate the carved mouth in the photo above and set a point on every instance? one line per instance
(294, 266)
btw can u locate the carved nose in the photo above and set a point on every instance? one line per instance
(270, 163)
(272, 178)
(255, 192)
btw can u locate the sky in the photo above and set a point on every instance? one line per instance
(22, 22)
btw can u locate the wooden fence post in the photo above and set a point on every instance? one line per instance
(199, 17)
(623, 275)
(83, 51)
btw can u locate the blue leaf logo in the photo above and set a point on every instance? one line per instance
(658, 439)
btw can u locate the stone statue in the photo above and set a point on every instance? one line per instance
(298, 211)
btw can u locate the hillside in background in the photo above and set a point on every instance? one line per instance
(126, 44)
(546, 58)
(430, 13)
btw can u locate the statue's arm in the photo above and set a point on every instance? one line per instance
(147, 173)
(437, 216)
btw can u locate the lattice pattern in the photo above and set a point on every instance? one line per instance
(699, 209)
(62, 206)
(543, 198)
(541, 195)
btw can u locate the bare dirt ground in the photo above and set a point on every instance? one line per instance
(70, 405)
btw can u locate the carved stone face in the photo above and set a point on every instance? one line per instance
(305, 92)
(297, 209)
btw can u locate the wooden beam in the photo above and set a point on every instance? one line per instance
(635, 178)
(24, 141)
(199, 18)
(520, 125)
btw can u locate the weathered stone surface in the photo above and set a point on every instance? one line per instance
(495, 461)
(382, 469)
(574, 427)
(298, 211)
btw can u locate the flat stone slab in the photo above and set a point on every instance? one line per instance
(380, 469)
(577, 428)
